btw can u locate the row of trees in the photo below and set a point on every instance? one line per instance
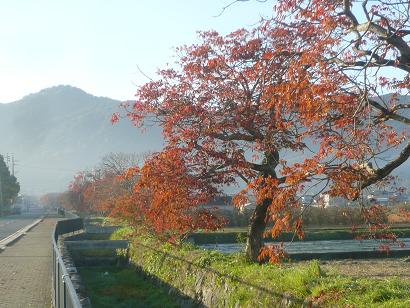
(97, 190)
(118, 188)
(9, 187)
(296, 104)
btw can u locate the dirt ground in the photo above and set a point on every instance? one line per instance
(370, 268)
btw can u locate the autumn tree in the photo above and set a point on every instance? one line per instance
(105, 184)
(235, 107)
(50, 200)
(167, 197)
(368, 41)
(73, 198)
(117, 163)
(98, 190)
(290, 106)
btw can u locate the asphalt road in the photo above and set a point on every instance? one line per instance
(11, 224)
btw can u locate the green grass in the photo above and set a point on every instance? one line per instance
(345, 291)
(301, 280)
(122, 234)
(122, 287)
(308, 281)
(101, 221)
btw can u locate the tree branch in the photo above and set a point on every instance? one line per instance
(381, 173)
(388, 114)
(233, 137)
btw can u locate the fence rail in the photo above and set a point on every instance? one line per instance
(64, 294)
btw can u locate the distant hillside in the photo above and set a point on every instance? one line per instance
(61, 130)
(402, 172)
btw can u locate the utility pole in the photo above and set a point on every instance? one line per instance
(12, 164)
(1, 197)
(10, 161)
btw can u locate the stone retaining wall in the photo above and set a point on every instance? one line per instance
(205, 285)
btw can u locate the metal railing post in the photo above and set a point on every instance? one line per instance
(64, 292)
(54, 275)
(58, 285)
(66, 297)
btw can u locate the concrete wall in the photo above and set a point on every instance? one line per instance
(204, 285)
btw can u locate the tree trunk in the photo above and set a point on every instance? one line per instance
(257, 224)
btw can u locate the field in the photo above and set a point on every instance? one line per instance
(238, 234)
(389, 268)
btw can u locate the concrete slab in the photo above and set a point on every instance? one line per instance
(25, 269)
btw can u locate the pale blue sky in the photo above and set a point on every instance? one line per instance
(96, 44)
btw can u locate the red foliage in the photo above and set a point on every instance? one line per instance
(234, 105)
(167, 197)
(272, 253)
(368, 43)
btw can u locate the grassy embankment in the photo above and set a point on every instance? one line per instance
(302, 280)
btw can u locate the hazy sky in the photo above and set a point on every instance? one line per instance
(96, 45)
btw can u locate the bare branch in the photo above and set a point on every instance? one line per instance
(381, 173)
(388, 114)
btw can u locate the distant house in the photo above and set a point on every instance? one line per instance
(378, 197)
(324, 201)
(225, 203)
(387, 198)
(307, 200)
(221, 202)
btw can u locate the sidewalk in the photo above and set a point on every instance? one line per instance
(25, 269)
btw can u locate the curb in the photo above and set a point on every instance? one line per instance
(18, 234)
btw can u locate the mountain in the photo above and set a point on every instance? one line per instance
(61, 130)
